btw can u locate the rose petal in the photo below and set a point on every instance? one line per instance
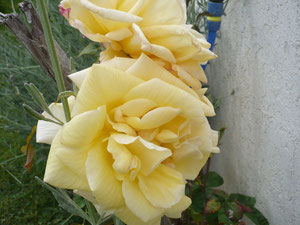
(118, 35)
(130, 219)
(171, 96)
(110, 14)
(83, 15)
(59, 175)
(154, 118)
(101, 178)
(137, 107)
(150, 155)
(194, 69)
(173, 13)
(46, 131)
(79, 77)
(176, 210)
(84, 128)
(146, 69)
(137, 203)
(121, 155)
(163, 188)
(103, 86)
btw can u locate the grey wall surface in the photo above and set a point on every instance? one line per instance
(257, 75)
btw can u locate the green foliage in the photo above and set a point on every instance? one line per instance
(213, 180)
(64, 200)
(218, 207)
(22, 200)
(91, 49)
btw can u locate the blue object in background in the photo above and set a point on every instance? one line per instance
(215, 8)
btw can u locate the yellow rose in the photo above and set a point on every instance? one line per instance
(136, 135)
(153, 27)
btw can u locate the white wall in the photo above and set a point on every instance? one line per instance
(259, 58)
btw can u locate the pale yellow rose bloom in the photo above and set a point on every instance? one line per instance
(156, 28)
(136, 135)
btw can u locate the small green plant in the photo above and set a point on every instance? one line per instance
(212, 205)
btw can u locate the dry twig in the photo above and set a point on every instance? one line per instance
(33, 39)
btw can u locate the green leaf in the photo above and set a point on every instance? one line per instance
(211, 219)
(66, 94)
(92, 212)
(222, 217)
(198, 198)
(91, 49)
(197, 216)
(257, 217)
(65, 201)
(212, 206)
(236, 210)
(213, 180)
(117, 221)
(37, 115)
(221, 195)
(244, 199)
(221, 134)
(38, 97)
(103, 219)
(79, 200)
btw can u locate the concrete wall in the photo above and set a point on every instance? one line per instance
(257, 75)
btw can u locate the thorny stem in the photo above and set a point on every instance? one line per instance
(204, 187)
(53, 55)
